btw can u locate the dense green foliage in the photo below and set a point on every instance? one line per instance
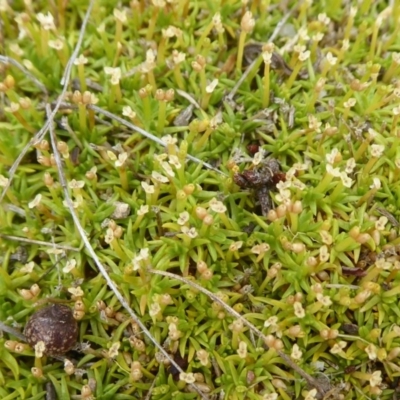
(315, 272)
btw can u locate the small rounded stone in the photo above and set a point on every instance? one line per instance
(55, 326)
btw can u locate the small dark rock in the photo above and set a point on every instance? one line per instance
(55, 326)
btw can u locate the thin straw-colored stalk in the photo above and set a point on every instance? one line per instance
(39, 242)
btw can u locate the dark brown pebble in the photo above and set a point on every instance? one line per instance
(55, 326)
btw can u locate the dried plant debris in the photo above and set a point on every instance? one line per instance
(211, 190)
(262, 179)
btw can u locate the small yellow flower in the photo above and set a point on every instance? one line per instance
(46, 21)
(260, 248)
(271, 321)
(332, 156)
(158, 177)
(203, 356)
(346, 180)
(115, 74)
(377, 150)
(305, 55)
(217, 206)
(376, 379)
(248, 22)
(40, 348)
(380, 224)
(174, 160)
(324, 19)
(14, 107)
(128, 112)
(235, 246)
(298, 310)
(113, 350)
(120, 15)
(69, 266)
(191, 232)
(331, 59)
(211, 87)
(296, 353)
(3, 181)
(28, 268)
(350, 165)
(36, 201)
(155, 309)
(167, 168)
(169, 140)
(149, 189)
(57, 44)
(76, 291)
(338, 347)
(187, 377)
(81, 60)
(171, 31)
(376, 183)
(183, 218)
(325, 300)
(371, 351)
(270, 396)
(178, 57)
(74, 184)
(218, 23)
(311, 395)
(143, 210)
(121, 159)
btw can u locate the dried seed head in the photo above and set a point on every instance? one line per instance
(10, 344)
(78, 315)
(394, 353)
(21, 347)
(208, 220)
(86, 392)
(272, 215)
(207, 274)
(281, 210)
(55, 326)
(169, 95)
(201, 266)
(248, 22)
(295, 331)
(35, 289)
(37, 372)
(69, 368)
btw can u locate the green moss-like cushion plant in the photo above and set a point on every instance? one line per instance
(211, 187)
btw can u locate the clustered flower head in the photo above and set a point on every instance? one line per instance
(115, 74)
(46, 21)
(150, 62)
(248, 22)
(139, 258)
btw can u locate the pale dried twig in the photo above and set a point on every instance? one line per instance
(100, 266)
(12, 331)
(15, 63)
(39, 242)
